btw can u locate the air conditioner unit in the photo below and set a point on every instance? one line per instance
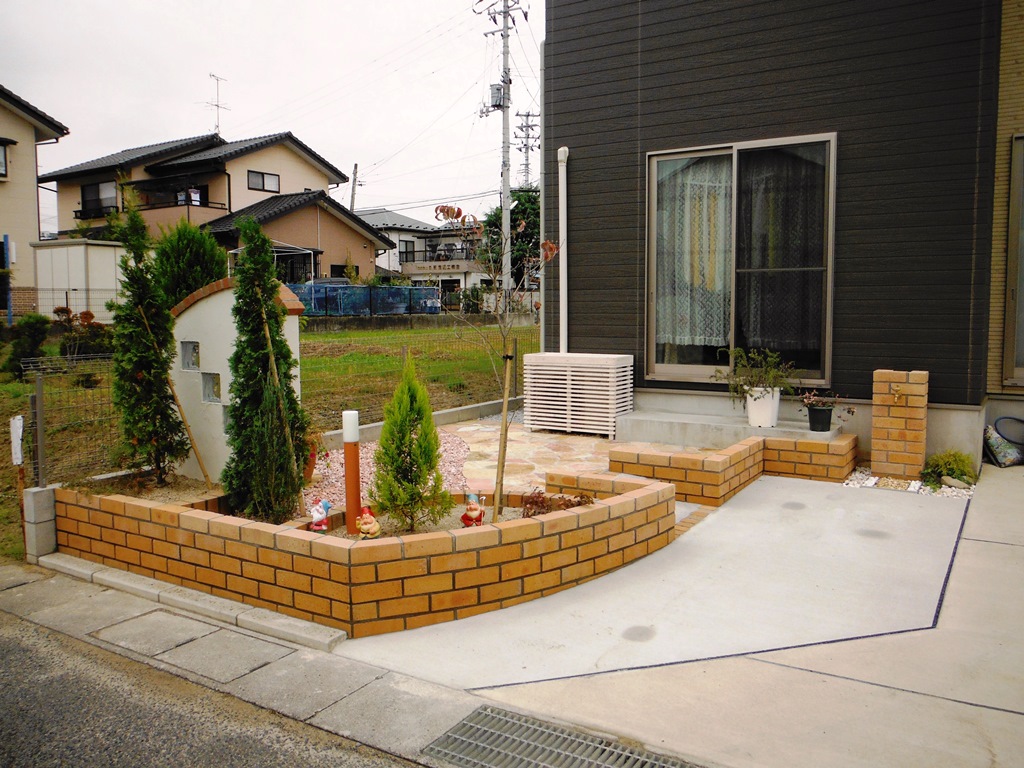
(574, 392)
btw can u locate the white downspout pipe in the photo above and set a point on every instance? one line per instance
(563, 252)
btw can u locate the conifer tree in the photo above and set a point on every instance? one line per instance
(407, 483)
(263, 475)
(152, 432)
(187, 258)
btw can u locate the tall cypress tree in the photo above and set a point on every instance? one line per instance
(152, 432)
(407, 483)
(187, 258)
(263, 475)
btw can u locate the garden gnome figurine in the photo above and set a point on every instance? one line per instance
(474, 514)
(319, 512)
(368, 526)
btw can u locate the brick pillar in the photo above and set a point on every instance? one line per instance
(899, 420)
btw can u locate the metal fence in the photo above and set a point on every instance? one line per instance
(92, 300)
(71, 428)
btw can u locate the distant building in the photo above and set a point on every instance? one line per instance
(22, 128)
(427, 253)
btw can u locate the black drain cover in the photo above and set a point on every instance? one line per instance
(497, 738)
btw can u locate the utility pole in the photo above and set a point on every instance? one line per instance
(527, 142)
(355, 179)
(216, 102)
(506, 190)
(501, 98)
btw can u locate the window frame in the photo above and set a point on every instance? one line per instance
(1012, 376)
(263, 176)
(701, 373)
(4, 160)
(100, 209)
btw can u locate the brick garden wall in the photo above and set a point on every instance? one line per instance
(374, 586)
(899, 423)
(713, 478)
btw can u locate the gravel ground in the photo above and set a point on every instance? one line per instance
(329, 476)
(862, 478)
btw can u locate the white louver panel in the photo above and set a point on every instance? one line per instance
(577, 392)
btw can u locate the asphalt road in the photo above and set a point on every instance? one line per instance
(67, 703)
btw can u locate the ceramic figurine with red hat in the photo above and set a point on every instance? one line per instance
(474, 514)
(367, 524)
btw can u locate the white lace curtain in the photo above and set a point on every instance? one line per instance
(694, 251)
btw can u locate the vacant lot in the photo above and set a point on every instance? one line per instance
(359, 370)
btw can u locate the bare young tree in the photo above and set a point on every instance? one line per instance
(508, 301)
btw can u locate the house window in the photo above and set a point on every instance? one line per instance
(211, 387)
(740, 252)
(190, 355)
(406, 251)
(265, 182)
(1013, 357)
(3, 161)
(98, 200)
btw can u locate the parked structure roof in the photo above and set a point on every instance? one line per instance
(274, 207)
(385, 219)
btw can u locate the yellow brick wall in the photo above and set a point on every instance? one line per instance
(712, 479)
(374, 586)
(899, 421)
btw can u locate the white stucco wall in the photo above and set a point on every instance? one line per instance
(208, 322)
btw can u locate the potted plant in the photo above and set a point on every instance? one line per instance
(820, 408)
(757, 377)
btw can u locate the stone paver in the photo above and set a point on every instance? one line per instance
(224, 655)
(16, 575)
(303, 683)
(91, 612)
(154, 632)
(398, 713)
(34, 596)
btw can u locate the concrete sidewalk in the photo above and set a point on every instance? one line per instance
(900, 659)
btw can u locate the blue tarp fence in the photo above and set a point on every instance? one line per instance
(352, 300)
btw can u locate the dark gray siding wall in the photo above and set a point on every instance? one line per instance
(910, 89)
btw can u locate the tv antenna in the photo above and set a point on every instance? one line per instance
(216, 102)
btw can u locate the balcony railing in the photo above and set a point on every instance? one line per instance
(172, 204)
(95, 212)
(442, 253)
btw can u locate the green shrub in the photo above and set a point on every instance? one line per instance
(407, 484)
(29, 335)
(267, 426)
(186, 259)
(950, 464)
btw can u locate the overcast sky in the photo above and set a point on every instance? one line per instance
(393, 85)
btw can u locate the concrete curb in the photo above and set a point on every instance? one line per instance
(260, 620)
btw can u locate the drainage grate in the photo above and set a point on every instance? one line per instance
(496, 738)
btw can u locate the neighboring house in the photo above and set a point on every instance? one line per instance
(211, 182)
(199, 178)
(22, 128)
(835, 181)
(426, 253)
(313, 236)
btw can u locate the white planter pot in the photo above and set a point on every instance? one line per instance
(763, 407)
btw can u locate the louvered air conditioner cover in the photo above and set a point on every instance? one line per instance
(576, 392)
